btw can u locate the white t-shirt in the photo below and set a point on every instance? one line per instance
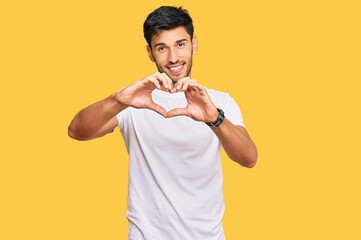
(175, 189)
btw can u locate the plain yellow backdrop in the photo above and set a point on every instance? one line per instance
(292, 66)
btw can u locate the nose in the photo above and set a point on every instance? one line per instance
(173, 56)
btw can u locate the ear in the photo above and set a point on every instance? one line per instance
(150, 54)
(195, 45)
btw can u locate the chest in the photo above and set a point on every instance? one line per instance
(181, 132)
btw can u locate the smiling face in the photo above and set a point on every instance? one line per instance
(172, 52)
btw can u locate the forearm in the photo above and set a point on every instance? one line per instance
(237, 144)
(90, 120)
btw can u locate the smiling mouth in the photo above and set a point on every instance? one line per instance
(176, 69)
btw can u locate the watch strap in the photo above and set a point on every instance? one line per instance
(219, 119)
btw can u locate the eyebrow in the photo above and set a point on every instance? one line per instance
(178, 41)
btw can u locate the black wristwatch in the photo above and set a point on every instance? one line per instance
(219, 119)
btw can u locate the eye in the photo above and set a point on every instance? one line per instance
(161, 49)
(180, 44)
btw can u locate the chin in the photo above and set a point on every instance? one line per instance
(175, 79)
(185, 73)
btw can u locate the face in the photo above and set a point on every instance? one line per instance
(172, 52)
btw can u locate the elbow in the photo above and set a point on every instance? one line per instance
(251, 163)
(72, 133)
(75, 134)
(250, 160)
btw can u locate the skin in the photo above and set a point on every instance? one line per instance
(173, 48)
(169, 48)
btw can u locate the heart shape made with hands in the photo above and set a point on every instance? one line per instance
(199, 107)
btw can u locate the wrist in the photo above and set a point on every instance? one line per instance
(117, 98)
(213, 116)
(219, 119)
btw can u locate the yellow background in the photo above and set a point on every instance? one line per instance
(292, 66)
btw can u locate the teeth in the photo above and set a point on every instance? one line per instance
(176, 68)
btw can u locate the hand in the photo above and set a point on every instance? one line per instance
(200, 106)
(139, 94)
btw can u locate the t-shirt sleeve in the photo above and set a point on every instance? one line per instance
(232, 111)
(121, 116)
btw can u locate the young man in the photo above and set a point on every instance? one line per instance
(173, 128)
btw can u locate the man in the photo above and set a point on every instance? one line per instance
(175, 175)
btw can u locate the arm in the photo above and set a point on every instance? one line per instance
(96, 120)
(236, 143)
(235, 139)
(100, 118)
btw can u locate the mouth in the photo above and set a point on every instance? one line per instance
(176, 69)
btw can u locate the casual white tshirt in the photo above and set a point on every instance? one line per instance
(175, 189)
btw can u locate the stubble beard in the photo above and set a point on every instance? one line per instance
(175, 80)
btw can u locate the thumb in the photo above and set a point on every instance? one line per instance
(158, 109)
(177, 112)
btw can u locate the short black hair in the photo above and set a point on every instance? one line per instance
(165, 18)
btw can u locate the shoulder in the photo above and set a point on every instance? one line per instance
(216, 94)
(231, 109)
(222, 99)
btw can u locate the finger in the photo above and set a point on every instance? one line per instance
(187, 83)
(156, 76)
(164, 80)
(180, 83)
(158, 109)
(177, 112)
(201, 88)
(198, 87)
(169, 81)
(155, 82)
